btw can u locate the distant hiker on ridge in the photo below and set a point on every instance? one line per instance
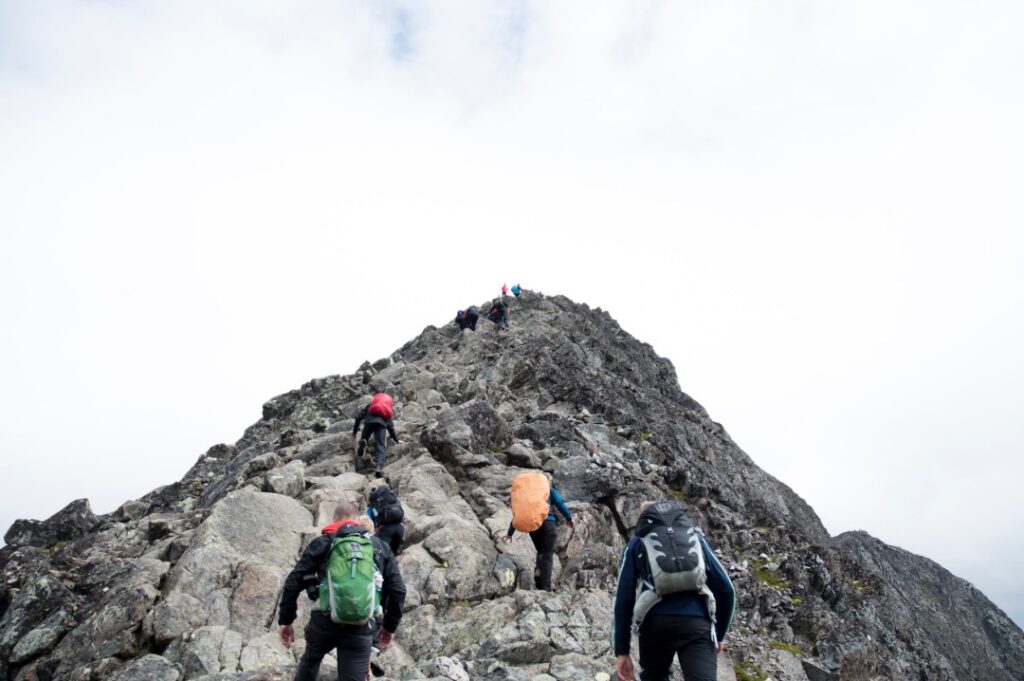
(517, 290)
(346, 563)
(692, 614)
(504, 290)
(499, 313)
(387, 514)
(377, 416)
(466, 319)
(534, 501)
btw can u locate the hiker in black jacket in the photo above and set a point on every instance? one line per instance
(499, 313)
(467, 319)
(353, 643)
(378, 426)
(386, 512)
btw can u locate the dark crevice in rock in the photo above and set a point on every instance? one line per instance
(620, 525)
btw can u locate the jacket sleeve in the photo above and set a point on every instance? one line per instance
(393, 590)
(721, 586)
(391, 430)
(559, 503)
(371, 514)
(625, 599)
(359, 419)
(309, 564)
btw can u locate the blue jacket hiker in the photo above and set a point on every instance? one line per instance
(545, 538)
(693, 616)
(387, 515)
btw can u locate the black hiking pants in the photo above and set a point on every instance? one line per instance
(663, 637)
(544, 539)
(379, 432)
(353, 644)
(392, 534)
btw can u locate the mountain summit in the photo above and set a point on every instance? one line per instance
(184, 583)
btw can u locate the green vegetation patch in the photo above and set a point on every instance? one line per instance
(788, 647)
(748, 671)
(768, 577)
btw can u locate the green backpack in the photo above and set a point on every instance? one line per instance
(350, 592)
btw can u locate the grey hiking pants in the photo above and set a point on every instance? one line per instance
(379, 432)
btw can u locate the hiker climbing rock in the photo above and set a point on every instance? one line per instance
(376, 419)
(466, 319)
(499, 313)
(358, 585)
(685, 603)
(517, 290)
(534, 502)
(387, 514)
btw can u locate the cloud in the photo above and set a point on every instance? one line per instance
(811, 209)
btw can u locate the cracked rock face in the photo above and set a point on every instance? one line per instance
(183, 583)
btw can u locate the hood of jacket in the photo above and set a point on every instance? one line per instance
(337, 525)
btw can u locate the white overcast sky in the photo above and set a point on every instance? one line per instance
(812, 208)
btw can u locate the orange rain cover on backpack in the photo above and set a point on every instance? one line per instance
(530, 505)
(382, 405)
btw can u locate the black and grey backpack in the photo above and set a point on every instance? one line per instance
(674, 556)
(386, 506)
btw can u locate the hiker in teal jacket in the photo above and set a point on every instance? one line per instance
(545, 538)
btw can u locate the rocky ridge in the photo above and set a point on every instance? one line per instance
(183, 583)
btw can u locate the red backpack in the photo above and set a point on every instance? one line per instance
(382, 405)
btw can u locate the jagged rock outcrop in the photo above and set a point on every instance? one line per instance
(69, 523)
(183, 583)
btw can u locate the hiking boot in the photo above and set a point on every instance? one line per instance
(378, 472)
